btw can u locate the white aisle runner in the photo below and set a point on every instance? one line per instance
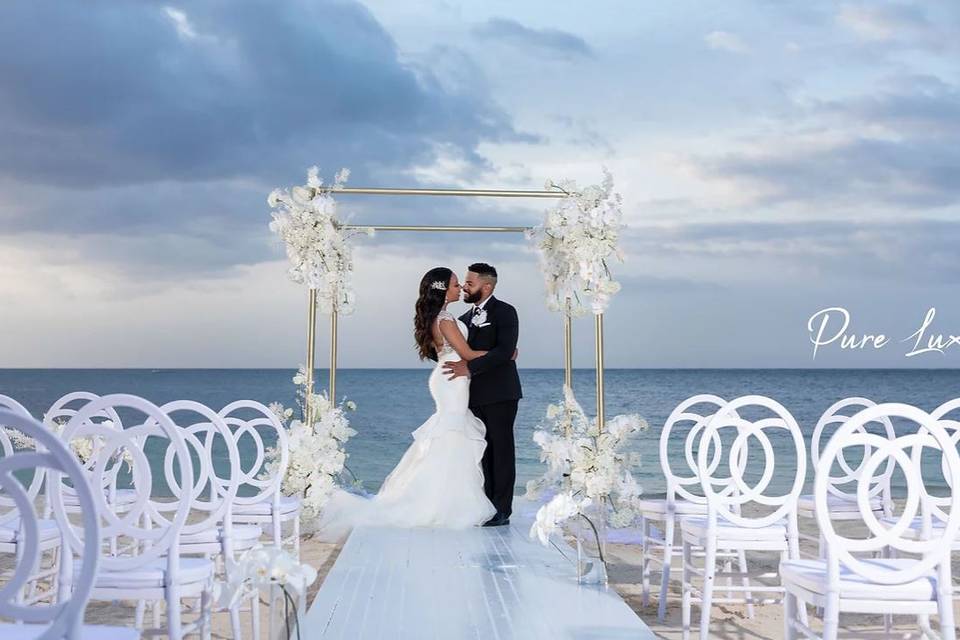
(491, 583)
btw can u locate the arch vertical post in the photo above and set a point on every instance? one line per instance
(598, 350)
(333, 356)
(311, 351)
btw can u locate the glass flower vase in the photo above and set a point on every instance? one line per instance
(590, 533)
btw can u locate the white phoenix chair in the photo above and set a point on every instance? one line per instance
(213, 534)
(679, 500)
(56, 418)
(11, 526)
(264, 503)
(726, 526)
(261, 501)
(843, 504)
(846, 581)
(147, 566)
(63, 619)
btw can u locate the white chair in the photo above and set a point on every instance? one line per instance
(261, 501)
(211, 534)
(147, 565)
(846, 581)
(11, 529)
(679, 500)
(728, 436)
(843, 504)
(56, 418)
(65, 618)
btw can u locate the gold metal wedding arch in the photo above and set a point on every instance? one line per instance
(489, 193)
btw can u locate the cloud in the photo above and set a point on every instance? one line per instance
(552, 41)
(126, 98)
(726, 41)
(898, 148)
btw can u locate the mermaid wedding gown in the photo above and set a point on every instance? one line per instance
(438, 481)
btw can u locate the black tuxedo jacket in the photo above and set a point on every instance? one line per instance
(493, 377)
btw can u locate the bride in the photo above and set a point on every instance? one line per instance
(439, 480)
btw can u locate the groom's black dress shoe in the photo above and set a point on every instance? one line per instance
(498, 520)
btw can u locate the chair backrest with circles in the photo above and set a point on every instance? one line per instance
(65, 617)
(216, 461)
(734, 443)
(692, 414)
(87, 449)
(255, 428)
(948, 415)
(848, 472)
(930, 550)
(148, 522)
(11, 440)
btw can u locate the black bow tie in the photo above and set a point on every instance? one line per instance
(477, 310)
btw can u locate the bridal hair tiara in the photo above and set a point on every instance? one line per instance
(438, 284)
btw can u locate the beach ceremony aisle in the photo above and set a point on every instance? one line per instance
(478, 583)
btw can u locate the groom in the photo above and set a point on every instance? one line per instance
(494, 383)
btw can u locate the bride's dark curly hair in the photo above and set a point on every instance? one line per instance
(429, 303)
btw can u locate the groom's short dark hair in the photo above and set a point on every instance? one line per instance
(484, 269)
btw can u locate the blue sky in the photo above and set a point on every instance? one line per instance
(775, 158)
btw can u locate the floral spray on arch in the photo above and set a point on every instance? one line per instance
(588, 468)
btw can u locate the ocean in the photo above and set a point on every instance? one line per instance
(391, 403)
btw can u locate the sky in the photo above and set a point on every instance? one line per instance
(775, 159)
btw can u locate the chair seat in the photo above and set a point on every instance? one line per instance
(48, 529)
(916, 526)
(122, 496)
(240, 533)
(288, 505)
(812, 576)
(659, 506)
(839, 507)
(727, 531)
(87, 632)
(151, 575)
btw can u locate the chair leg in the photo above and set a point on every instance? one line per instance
(255, 615)
(206, 624)
(685, 590)
(235, 622)
(789, 616)
(645, 560)
(831, 617)
(709, 577)
(745, 581)
(948, 627)
(174, 624)
(138, 614)
(668, 537)
(296, 537)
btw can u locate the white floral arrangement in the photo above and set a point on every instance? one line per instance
(576, 241)
(317, 451)
(262, 568)
(84, 447)
(587, 467)
(318, 248)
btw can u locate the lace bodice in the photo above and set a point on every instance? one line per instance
(447, 348)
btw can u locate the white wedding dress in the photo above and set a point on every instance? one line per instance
(439, 480)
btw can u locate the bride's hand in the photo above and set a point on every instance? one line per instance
(516, 352)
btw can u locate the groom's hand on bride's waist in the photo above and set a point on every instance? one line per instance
(456, 369)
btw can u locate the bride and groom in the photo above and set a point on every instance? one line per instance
(460, 470)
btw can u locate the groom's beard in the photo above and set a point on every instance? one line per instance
(471, 298)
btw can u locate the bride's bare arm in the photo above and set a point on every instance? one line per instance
(449, 330)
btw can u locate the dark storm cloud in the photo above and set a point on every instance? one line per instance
(96, 94)
(545, 40)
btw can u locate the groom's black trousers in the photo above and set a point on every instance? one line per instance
(499, 458)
